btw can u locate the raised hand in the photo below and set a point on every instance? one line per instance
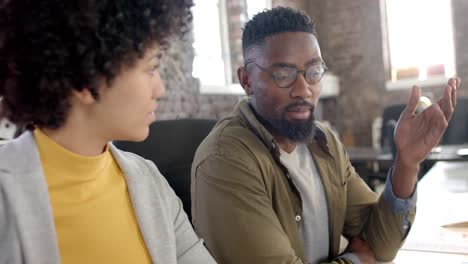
(416, 135)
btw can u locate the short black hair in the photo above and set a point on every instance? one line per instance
(274, 21)
(50, 47)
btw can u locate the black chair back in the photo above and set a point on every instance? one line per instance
(457, 130)
(390, 117)
(171, 145)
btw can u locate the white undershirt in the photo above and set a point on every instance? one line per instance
(314, 228)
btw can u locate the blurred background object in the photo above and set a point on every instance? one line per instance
(7, 129)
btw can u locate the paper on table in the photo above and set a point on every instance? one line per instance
(438, 239)
(463, 223)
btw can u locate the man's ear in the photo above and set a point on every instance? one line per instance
(84, 96)
(244, 80)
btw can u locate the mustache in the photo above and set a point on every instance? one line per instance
(299, 103)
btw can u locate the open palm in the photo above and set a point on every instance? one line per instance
(417, 134)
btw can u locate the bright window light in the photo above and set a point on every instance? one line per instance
(212, 61)
(420, 39)
(208, 64)
(256, 6)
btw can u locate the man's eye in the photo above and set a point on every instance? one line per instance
(282, 74)
(314, 71)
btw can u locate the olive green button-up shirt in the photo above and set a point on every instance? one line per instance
(247, 209)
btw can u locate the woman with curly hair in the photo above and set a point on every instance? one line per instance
(79, 74)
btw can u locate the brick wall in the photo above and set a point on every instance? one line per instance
(460, 22)
(237, 17)
(296, 4)
(344, 29)
(182, 90)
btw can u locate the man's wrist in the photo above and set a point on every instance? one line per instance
(404, 178)
(405, 166)
(398, 205)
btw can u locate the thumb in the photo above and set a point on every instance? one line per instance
(412, 101)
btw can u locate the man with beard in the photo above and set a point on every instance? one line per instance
(271, 185)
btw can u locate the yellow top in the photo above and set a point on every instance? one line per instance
(93, 214)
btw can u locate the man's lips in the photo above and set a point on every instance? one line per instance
(298, 115)
(299, 111)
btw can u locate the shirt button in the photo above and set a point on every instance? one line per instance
(298, 218)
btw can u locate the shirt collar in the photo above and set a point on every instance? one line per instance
(251, 121)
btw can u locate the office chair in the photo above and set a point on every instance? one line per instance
(390, 117)
(457, 130)
(171, 145)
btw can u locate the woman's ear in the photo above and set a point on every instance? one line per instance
(244, 80)
(85, 96)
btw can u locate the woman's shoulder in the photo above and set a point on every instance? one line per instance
(135, 166)
(19, 153)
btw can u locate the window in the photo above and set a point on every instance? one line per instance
(256, 6)
(217, 41)
(420, 40)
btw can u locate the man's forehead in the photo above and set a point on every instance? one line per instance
(290, 47)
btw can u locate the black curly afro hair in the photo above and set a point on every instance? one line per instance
(49, 47)
(274, 21)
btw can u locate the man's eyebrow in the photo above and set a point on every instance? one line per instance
(283, 64)
(317, 60)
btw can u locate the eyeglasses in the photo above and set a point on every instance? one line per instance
(284, 77)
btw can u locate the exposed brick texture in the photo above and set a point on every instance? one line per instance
(460, 22)
(182, 90)
(296, 4)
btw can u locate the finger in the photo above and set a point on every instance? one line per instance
(458, 80)
(412, 102)
(455, 83)
(454, 92)
(436, 125)
(446, 102)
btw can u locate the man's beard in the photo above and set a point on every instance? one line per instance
(296, 131)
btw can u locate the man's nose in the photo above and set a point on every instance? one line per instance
(302, 89)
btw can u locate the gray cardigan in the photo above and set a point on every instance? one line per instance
(27, 231)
